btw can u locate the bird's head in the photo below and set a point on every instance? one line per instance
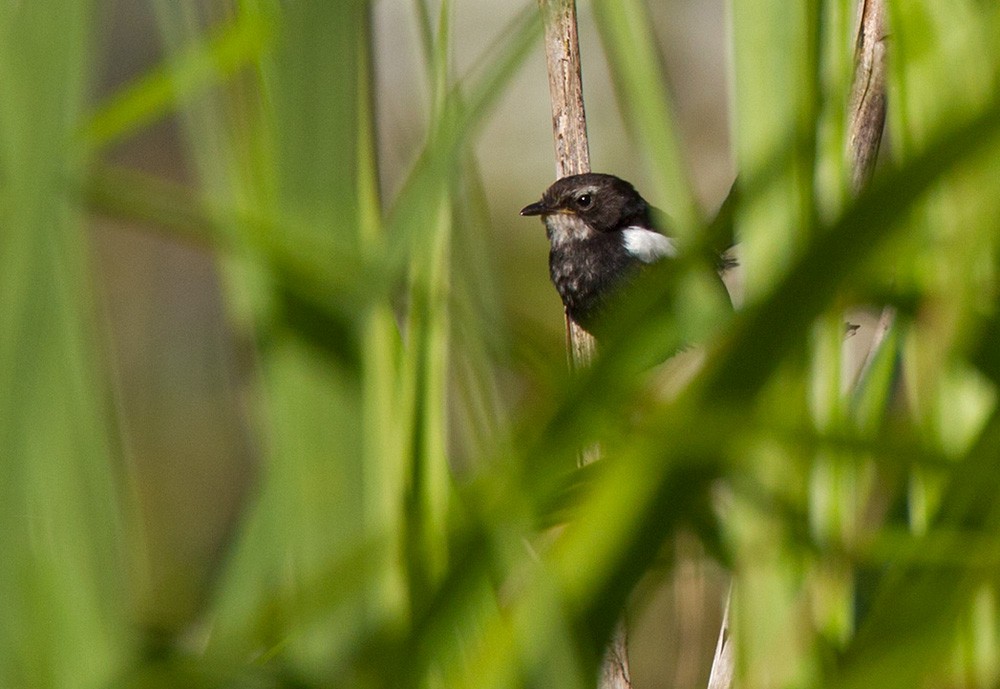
(589, 203)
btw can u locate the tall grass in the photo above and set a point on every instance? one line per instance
(419, 521)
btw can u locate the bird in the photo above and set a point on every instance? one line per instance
(601, 233)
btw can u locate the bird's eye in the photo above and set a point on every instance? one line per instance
(584, 201)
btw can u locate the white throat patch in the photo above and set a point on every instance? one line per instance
(648, 246)
(566, 227)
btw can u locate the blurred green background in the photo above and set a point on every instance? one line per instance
(283, 392)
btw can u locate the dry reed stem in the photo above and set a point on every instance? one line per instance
(569, 126)
(569, 129)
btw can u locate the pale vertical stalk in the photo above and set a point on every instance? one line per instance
(569, 125)
(569, 129)
(867, 120)
(868, 95)
(721, 676)
(562, 55)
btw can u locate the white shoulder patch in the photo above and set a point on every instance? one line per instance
(648, 246)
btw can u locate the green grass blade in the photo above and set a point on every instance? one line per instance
(62, 574)
(287, 151)
(773, 76)
(640, 83)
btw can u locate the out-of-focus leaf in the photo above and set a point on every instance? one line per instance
(62, 574)
(901, 612)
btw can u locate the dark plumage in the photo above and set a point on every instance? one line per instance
(600, 232)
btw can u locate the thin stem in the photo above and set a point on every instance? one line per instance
(569, 127)
(569, 130)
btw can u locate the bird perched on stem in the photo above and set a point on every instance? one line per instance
(601, 233)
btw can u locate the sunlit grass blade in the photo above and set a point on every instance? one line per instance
(384, 472)
(938, 79)
(773, 109)
(838, 490)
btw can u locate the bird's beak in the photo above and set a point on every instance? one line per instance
(538, 208)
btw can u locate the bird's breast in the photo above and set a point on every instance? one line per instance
(585, 272)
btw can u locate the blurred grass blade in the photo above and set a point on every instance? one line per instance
(426, 361)
(641, 85)
(474, 295)
(62, 578)
(480, 416)
(286, 150)
(918, 631)
(774, 77)
(385, 473)
(297, 264)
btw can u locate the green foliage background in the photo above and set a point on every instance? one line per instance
(417, 518)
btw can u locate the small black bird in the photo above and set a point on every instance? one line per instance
(601, 233)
